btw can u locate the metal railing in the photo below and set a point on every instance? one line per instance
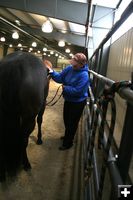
(99, 150)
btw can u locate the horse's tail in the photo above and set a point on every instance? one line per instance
(10, 134)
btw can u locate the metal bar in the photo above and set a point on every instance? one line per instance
(117, 6)
(126, 145)
(92, 139)
(115, 178)
(87, 20)
(125, 93)
(109, 158)
(96, 176)
(106, 147)
(13, 25)
(124, 16)
(102, 78)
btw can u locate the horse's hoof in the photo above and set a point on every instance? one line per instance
(39, 142)
(27, 167)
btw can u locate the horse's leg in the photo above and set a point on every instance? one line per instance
(28, 125)
(39, 122)
(26, 163)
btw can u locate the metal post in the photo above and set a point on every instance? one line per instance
(5, 49)
(126, 145)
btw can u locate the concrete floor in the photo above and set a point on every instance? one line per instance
(51, 175)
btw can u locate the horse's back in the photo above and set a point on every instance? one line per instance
(23, 82)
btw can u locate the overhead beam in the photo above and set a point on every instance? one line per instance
(69, 38)
(60, 9)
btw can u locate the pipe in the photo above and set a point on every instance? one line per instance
(124, 92)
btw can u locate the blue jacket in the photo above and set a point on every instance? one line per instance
(75, 83)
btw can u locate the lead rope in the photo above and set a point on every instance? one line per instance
(49, 103)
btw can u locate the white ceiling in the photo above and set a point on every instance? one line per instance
(69, 18)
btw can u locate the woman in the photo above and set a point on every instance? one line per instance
(75, 82)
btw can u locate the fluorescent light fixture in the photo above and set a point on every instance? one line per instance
(47, 27)
(15, 35)
(61, 43)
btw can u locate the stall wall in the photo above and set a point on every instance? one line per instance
(120, 66)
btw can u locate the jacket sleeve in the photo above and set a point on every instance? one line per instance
(80, 86)
(58, 76)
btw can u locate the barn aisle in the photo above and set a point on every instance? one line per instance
(51, 174)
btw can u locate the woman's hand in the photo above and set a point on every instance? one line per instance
(48, 64)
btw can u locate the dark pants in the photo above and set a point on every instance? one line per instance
(71, 113)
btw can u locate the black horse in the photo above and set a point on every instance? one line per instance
(23, 92)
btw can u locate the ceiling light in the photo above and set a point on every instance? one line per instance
(10, 45)
(44, 49)
(15, 35)
(56, 54)
(19, 45)
(47, 27)
(51, 52)
(67, 50)
(17, 22)
(2, 39)
(63, 31)
(71, 54)
(61, 43)
(34, 44)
